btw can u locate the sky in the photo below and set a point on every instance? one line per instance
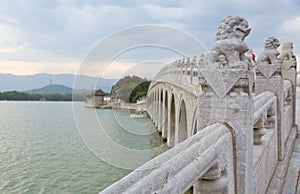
(52, 36)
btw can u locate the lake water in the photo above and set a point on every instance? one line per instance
(43, 149)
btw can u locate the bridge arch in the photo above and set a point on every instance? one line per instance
(157, 107)
(182, 133)
(165, 123)
(194, 129)
(172, 121)
(174, 109)
(154, 106)
(150, 104)
(160, 109)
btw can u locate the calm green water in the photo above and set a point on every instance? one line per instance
(42, 150)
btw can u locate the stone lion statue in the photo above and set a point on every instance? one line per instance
(229, 49)
(287, 51)
(270, 53)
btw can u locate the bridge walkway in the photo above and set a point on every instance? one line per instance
(292, 180)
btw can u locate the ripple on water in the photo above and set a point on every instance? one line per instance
(3, 184)
(42, 152)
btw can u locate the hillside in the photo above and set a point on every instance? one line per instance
(9, 82)
(130, 88)
(51, 89)
(53, 92)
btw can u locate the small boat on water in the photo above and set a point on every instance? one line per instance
(139, 113)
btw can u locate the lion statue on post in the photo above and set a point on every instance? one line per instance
(287, 51)
(229, 49)
(270, 53)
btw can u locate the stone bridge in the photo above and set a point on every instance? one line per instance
(230, 120)
(172, 100)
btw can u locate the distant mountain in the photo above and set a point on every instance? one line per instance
(51, 89)
(10, 82)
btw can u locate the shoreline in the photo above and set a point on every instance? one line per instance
(127, 106)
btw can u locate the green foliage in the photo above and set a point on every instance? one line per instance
(18, 96)
(130, 88)
(103, 104)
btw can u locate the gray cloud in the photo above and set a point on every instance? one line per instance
(57, 30)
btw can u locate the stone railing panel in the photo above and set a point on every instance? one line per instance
(265, 159)
(288, 108)
(184, 70)
(177, 169)
(226, 80)
(265, 155)
(269, 78)
(260, 126)
(289, 72)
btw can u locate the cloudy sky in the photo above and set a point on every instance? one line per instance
(53, 36)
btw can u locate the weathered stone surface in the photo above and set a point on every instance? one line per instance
(265, 160)
(275, 187)
(274, 85)
(267, 70)
(279, 178)
(177, 169)
(297, 145)
(270, 54)
(290, 75)
(288, 121)
(291, 181)
(224, 160)
(298, 186)
(237, 112)
(295, 160)
(222, 81)
(268, 80)
(287, 51)
(286, 65)
(229, 49)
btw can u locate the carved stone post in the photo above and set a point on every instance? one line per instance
(182, 69)
(226, 97)
(176, 70)
(289, 72)
(172, 67)
(186, 67)
(269, 78)
(193, 65)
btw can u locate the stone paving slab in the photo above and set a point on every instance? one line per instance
(286, 178)
(291, 185)
(279, 178)
(297, 144)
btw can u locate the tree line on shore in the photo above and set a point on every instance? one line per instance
(129, 89)
(23, 96)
